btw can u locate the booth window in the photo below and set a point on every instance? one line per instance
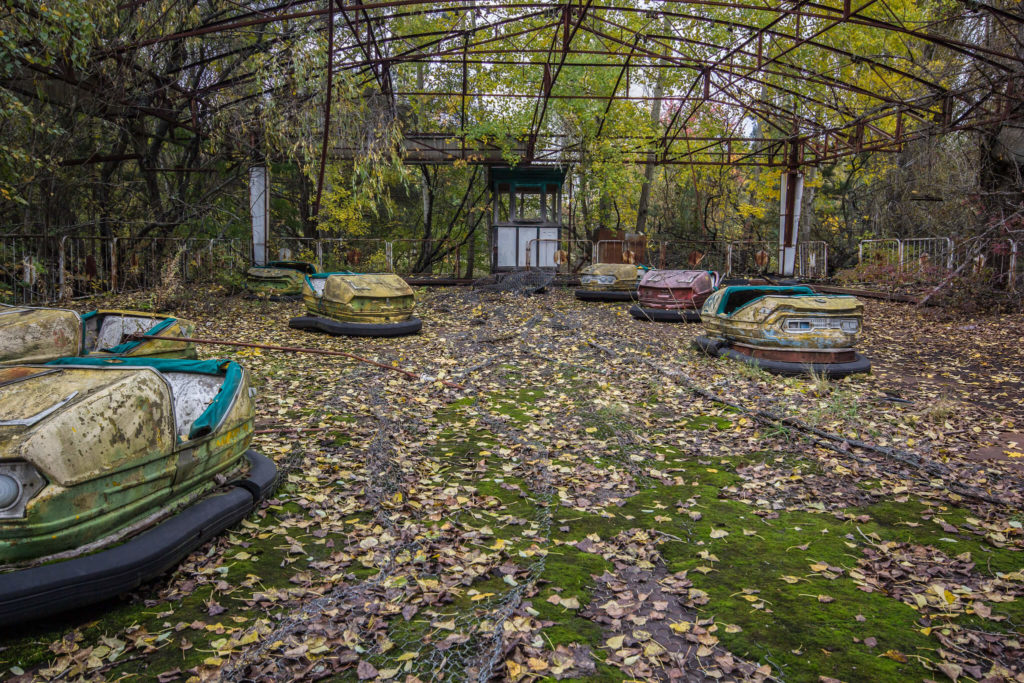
(528, 204)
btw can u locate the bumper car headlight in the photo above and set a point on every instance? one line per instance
(19, 483)
(10, 491)
(606, 279)
(811, 324)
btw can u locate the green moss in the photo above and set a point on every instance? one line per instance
(707, 422)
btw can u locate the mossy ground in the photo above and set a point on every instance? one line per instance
(617, 451)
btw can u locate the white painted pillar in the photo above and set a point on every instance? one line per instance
(789, 219)
(259, 209)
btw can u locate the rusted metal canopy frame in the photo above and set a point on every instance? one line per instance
(821, 140)
(823, 81)
(747, 76)
(569, 30)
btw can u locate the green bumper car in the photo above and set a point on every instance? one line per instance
(113, 470)
(784, 330)
(37, 335)
(358, 305)
(278, 280)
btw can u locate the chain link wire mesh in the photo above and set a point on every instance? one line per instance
(523, 282)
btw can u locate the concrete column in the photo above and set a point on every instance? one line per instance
(791, 191)
(259, 209)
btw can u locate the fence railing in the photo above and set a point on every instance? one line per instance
(933, 258)
(737, 257)
(37, 269)
(908, 252)
(43, 269)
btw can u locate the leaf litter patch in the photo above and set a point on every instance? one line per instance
(428, 534)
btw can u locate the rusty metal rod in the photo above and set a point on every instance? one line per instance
(279, 430)
(294, 349)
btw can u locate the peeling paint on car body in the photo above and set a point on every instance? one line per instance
(626, 277)
(147, 348)
(281, 278)
(673, 290)
(38, 335)
(359, 298)
(761, 319)
(111, 457)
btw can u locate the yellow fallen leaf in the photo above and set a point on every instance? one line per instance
(719, 533)
(615, 642)
(536, 664)
(680, 626)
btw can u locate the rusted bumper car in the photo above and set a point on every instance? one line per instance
(358, 305)
(784, 330)
(609, 282)
(113, 470)
(278, 280)
(37, 335)
(673, 296)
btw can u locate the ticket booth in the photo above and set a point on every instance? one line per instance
(526, 219)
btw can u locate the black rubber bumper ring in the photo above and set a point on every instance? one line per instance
(337, 327)
(779, 367)
(37, 592)
(660, 315)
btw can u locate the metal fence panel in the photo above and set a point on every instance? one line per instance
(753, 258)
(689, 254)
(812, 260)
(355, 255)
(294, 249)
(30, 269)
(885, 251)
(920, 252)
(88, 266)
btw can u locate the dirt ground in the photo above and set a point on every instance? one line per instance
(599, 502)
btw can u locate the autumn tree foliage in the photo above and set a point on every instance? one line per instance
(141, 118)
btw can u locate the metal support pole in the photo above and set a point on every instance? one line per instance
(792, 186)
(259, 209)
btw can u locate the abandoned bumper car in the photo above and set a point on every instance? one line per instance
(38, 335)
(785, 330)
(609, 282)
(358, 305)
(672, 296)
(113, 470)
(278, 280)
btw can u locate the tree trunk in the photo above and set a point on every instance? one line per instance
(807, 206)
(423, 261)
(645, 190)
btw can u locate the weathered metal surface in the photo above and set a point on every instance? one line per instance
(676, 289)
(773, 320)
(37, 335)
(369, 298)
(111, 457)
(132, 322)
(274, 280)
(598, 276)
(797, 355)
